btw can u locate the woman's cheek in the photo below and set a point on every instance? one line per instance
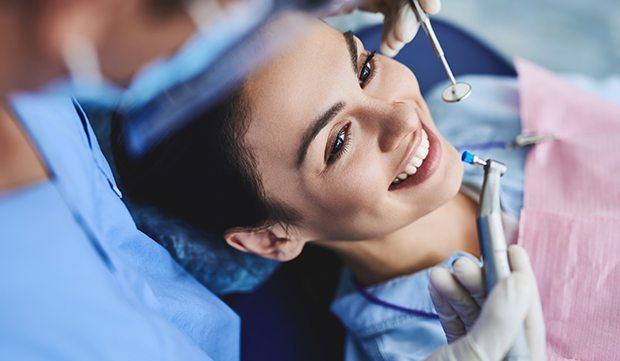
(396, 79)
(354, 189)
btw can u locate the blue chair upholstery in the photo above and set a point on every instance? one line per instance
(288, 317)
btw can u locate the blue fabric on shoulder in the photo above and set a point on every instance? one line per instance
(78, 279)
(409, 331)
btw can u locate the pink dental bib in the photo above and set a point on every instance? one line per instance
(570, 222)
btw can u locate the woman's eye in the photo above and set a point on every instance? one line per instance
(367, 69)
(338, 145)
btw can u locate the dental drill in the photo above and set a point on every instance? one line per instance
(456, 91)
(493, 240)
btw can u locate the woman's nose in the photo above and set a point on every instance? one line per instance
(395, 126)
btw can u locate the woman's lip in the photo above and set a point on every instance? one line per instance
(428, 168)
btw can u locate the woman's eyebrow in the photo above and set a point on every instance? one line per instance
(320, 122)
(352, 47)
(314, 129)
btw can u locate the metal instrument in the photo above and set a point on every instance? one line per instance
(456, 91)
(492, 238)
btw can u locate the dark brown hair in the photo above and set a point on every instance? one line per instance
(203, 174)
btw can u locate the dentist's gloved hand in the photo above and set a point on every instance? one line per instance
(400, 24)
(484, 328)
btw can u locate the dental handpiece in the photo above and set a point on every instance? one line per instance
(493, 240)
(457, 90)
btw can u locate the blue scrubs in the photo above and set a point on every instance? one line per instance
(78, 280)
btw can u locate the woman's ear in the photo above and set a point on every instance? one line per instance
(264, 242)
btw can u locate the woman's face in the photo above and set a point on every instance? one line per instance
(331, 130)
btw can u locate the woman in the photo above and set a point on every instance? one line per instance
(327, 143)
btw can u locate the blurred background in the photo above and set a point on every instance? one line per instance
(563, 35)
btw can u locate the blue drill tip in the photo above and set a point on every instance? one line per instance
(468, 157)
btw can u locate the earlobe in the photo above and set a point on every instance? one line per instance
(264, 243)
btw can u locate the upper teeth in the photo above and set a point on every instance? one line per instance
(416, 161)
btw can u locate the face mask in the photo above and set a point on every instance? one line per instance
(225, 27)
(169, 91)
(219, 28)
(150, 116)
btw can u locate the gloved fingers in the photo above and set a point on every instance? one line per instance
(446, 284)
(470, 276)
(389, 45)
(535, 330)
(519, 260)
(463, 349)
(534, 321)
(503, 315)
(400, 24)
(512, 300)
(400, 27)
(431, 7)
(452, 325)
(384, 48)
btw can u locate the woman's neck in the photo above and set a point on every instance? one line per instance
(422, 244)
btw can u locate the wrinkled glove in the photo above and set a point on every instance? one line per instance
(483, 328)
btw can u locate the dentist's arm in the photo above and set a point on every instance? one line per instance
(479, 329)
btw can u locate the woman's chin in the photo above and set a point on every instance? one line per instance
(446, 183)
(453, 175)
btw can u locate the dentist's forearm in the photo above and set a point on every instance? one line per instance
(20, 165)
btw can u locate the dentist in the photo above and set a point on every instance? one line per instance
(77, 279)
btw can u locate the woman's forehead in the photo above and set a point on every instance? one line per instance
(302, 56)
(294, 87)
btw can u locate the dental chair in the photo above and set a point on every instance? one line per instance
(288, 317)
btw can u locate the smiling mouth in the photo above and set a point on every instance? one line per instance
(422, 162)
(416, 161)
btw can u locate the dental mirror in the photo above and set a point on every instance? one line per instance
(456, 92)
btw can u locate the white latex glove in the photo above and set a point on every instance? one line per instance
(484, 330)
(400, 24)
